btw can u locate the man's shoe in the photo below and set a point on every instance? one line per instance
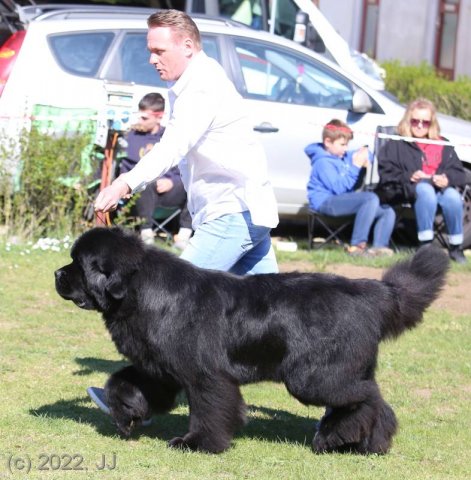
(98, 397)
(457, 254)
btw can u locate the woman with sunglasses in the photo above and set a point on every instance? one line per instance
(424, 170)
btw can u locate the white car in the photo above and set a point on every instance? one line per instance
(96, 59)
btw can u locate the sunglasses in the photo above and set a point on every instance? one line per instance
(417, 122)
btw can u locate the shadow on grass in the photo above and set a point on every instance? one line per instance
(90, 365)
(277, 426)
(263, 423)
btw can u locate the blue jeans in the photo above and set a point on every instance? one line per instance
(425, 206)
(232, 243)
(366, 208)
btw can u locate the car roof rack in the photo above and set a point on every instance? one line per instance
(62, 11)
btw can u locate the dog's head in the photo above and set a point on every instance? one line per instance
(103, 264)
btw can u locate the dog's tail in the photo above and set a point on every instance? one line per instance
(415, 283)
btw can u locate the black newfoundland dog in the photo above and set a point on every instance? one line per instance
(208, 332)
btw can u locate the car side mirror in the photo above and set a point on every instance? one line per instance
(361, 102)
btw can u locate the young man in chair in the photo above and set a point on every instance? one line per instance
(165, 191)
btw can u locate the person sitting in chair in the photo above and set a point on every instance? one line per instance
(335, 173)
(426, 173)
(166, 191)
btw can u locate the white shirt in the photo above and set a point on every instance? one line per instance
(209, 136)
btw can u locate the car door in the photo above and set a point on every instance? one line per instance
(290, 97)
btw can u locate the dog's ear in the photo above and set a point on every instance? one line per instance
(116, 286)
(106, 280)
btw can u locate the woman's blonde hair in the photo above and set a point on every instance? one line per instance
(404, 127)
(179, 22)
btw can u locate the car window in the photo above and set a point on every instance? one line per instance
(274, 74)
(134, 59)
(81, 53)
(211, 47)
(243, 11)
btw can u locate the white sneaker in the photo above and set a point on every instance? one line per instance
(147, 236)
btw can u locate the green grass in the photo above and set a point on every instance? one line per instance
(50, 351)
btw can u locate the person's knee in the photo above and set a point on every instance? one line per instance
(425, 190)
(389, 213)
(371, 199)
(426, 196)
(452, 197)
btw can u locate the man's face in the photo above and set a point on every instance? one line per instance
(149, 121)
(169, 52)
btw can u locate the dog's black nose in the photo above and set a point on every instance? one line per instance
(58, 273)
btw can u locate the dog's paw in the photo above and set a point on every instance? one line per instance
(333, 443)
(178, 442)
(325, 444)
(125, 429)
(319, 444)
(199, 442)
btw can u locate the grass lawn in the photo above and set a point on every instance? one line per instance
(50, 351)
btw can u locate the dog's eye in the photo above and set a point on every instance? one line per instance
(100, 268)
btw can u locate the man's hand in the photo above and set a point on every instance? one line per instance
(163, 185)
(109, 197)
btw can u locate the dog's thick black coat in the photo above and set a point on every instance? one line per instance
(208, 332)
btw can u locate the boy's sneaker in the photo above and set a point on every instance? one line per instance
(97, 395)
(357, 250)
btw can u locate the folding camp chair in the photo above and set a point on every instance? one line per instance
(161, 219)
(323, 229)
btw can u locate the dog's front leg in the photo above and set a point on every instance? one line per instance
(216, 411)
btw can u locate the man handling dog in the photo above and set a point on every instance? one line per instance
(210, 138)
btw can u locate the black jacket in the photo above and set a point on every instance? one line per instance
(398, 160)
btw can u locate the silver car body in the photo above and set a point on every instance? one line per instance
(285, 125)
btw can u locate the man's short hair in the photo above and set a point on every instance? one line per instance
(152, 101)
(179, 22)
(336, 129)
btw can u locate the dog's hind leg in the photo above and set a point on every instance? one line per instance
(216, 411)
(382, 432)
(357, 420)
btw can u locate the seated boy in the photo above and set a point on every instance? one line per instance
(166, 191)
(335, 172)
